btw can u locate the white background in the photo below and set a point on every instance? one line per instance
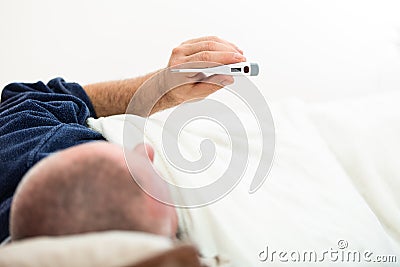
(314, 50)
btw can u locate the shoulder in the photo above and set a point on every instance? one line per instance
(40, 94)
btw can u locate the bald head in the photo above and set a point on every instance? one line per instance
(84, 189)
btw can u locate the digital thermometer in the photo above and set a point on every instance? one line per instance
(243, 68)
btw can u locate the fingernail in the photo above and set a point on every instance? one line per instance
(239, 56)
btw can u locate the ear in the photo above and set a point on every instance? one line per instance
(145, 150)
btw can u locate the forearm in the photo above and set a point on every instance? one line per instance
(163, 89)
(113, 97)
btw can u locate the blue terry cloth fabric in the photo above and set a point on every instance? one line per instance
(35, 121)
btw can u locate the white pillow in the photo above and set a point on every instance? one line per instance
(114, 248)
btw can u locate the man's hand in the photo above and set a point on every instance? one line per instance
(167, 89)
(210, 51)
(164, 89)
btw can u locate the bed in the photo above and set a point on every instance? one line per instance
(329, 72)
(334, 178)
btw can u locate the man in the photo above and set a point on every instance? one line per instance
(73, 181)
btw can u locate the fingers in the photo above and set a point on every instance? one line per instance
(190, 49)
(212, 84)
(213, 39)
(196, 53)
(206, 49)
(216, 56)
(219, 80)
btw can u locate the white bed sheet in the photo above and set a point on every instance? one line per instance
(312, 198)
